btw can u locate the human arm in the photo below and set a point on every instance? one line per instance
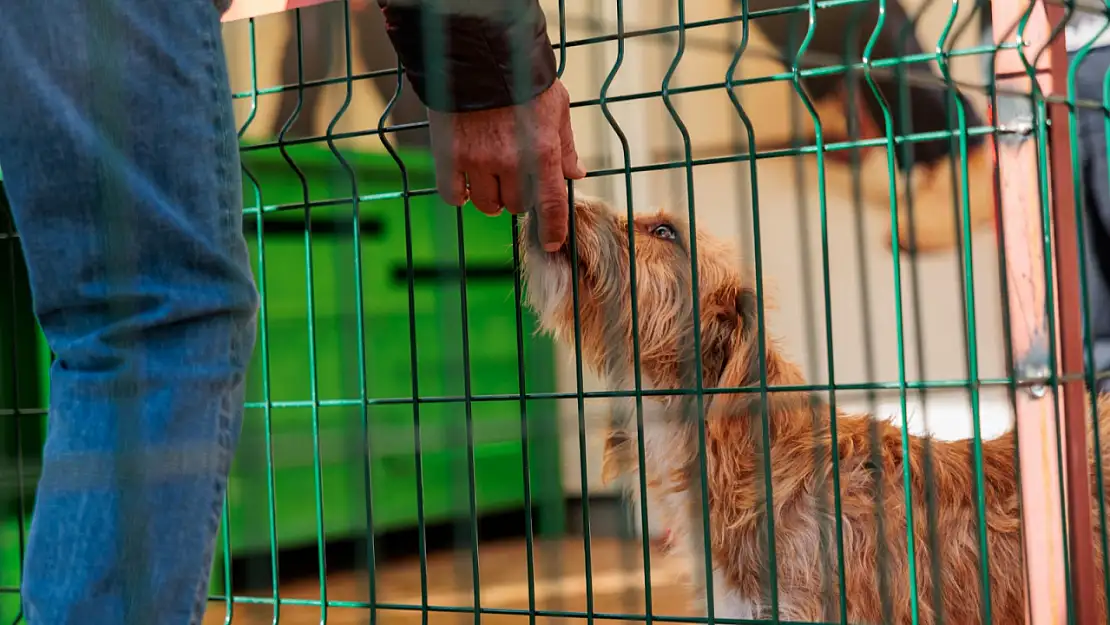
(495, 143)
(473, 57)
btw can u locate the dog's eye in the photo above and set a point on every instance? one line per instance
(663, 231)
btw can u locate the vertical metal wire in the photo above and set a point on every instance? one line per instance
(264, 319)
(703, 532)
(958, 147)
(597, 73)
(525, 438)
(900, 318)
(830, 352)
(617, 412)
(229, 609)
(580, 404)
(314, 386)
(557, 560)
(736, 36)
(521, 77)
(468, 405)
(1076, 473)
(314, 398)
(761, 330)
(806, 261)
(414, 370)
(971, 338)
(868, 344)
(637, 372)
(1008, 334)
(1041, 133)
(802, 211)
(360, 322)
(1081, 237)
(435, 50)
(673, 176)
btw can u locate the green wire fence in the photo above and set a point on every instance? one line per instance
(412, 449)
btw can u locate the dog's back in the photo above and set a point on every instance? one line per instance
(944, 491)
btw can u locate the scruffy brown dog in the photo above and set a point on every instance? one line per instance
(876, 570)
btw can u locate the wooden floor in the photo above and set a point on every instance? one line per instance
(617, 584)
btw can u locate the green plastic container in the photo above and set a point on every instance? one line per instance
(294, 377)
(24, 384)
(385, 309)
(10, 562)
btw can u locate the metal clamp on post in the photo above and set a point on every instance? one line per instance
(1033, 368)
(1014, 119)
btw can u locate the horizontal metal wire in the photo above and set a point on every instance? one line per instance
(1018, 382)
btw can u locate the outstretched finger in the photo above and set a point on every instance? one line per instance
(552, 205)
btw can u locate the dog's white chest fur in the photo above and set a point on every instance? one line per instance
(673, 505)
(671, 502)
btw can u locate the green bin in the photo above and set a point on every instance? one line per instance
(279, 184)
(336, 390)
(24, 384)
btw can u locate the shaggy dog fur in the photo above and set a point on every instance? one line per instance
(872, 457)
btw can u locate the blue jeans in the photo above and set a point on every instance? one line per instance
(120, 159)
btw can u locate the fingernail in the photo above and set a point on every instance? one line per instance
(552, 247)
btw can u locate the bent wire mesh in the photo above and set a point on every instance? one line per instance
(826, 256)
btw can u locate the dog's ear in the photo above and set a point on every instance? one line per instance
(731, 336)
(744, 360)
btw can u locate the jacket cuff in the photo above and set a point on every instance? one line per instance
(474, 68)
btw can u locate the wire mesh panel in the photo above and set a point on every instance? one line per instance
(827, 254)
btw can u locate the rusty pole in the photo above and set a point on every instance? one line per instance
(1020, 198)
(1070, 330)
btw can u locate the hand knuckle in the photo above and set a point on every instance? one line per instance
(548, 146)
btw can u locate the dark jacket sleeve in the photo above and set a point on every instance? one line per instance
(468, 65)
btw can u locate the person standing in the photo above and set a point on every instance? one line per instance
(120, 158)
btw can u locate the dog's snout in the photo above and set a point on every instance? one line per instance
(581, 216)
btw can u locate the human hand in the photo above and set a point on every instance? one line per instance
(479, 157)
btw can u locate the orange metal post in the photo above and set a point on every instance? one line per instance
(1020, 197)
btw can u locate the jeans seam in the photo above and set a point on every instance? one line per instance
(234, 343)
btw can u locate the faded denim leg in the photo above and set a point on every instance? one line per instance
(119, 152)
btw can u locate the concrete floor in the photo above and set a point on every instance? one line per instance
(560, 585)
